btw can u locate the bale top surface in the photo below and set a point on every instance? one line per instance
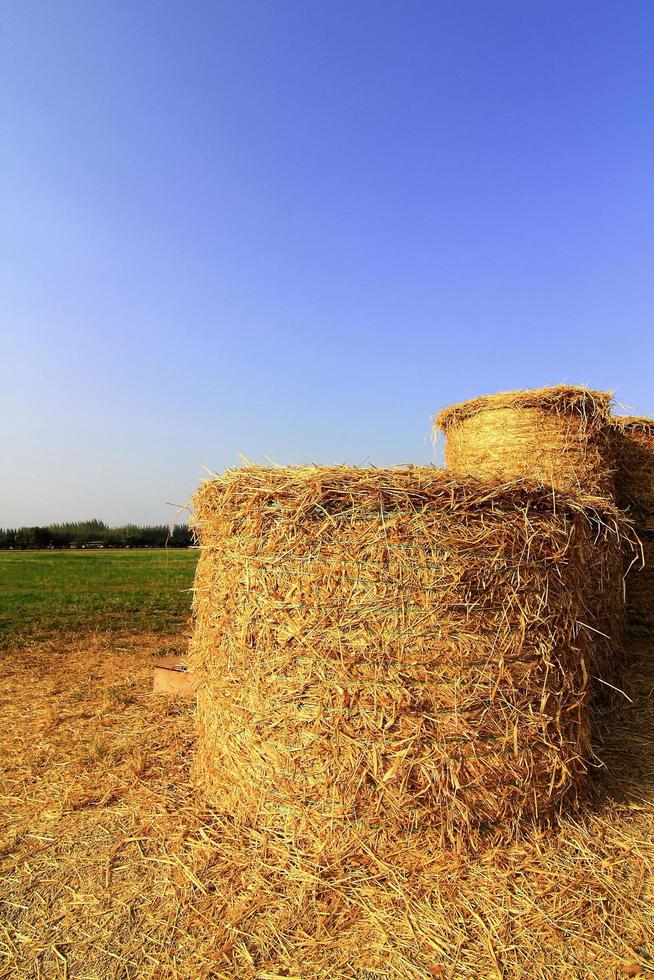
(332, 487)
(560, 398)
(637, 422)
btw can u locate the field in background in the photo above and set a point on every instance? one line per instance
(51, 593)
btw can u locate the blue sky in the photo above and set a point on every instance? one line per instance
(299, 229)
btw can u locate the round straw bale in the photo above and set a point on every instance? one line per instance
(391, 652)
(640, 590)
(554, 435)
(633, 441)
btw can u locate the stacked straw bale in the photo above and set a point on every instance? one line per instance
(391, 653)
(556, 436)
(633, 438)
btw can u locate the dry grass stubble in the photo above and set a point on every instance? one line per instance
(111, 867)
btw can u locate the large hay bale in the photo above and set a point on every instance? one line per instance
(633, 442)
(389, 652)
(640, 588)
(556, 436)
(633, 439)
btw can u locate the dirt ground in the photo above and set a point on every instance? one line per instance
(111, 866)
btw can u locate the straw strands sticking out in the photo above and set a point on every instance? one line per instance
(391, 654)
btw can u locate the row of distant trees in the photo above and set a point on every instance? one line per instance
(96, 534)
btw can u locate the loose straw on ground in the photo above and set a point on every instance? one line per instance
(110, 860)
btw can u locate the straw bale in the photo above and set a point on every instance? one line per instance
(391, 652)
(640, 588)
(553, 435)
(633, 440)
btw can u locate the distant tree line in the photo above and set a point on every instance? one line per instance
(96, 534)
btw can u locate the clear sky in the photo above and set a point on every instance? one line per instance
(298, 229)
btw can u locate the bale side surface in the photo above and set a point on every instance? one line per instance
(633, 440)
(556, 436)
(640, 590)
(390, 652)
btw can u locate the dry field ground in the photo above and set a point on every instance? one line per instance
(111, 866)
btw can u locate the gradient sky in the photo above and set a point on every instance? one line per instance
(298, 229)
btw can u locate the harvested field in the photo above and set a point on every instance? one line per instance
(112, 867)
(47, 593)
(391, 659)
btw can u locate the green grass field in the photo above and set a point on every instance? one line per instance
(45, 593)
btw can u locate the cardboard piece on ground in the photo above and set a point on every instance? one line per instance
(171, 676)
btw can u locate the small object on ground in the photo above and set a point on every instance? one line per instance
(172, 676)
